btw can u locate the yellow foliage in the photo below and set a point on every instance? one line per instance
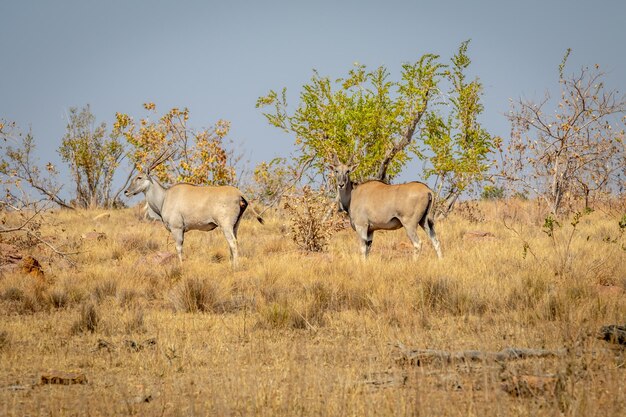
(200, 157)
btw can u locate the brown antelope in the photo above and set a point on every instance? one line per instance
(374, 205)
(183, 207)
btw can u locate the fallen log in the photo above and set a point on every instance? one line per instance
(421, 357)
(62, 378)
(613, 333)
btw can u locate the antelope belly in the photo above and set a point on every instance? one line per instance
(391, 224)
(207, 226)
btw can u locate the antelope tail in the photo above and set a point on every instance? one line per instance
(429, 213)
(258, 216)
(244, 204)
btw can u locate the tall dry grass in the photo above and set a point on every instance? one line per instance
(292, 333)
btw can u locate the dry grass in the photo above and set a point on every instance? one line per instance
(291, 333)
(88, 319)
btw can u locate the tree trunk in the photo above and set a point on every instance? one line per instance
(402, 144)
(444, 208)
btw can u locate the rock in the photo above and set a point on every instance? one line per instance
(11, 261)
(132, 345)
(94, 236)
(475, 235)
(62, 378)
(103, 344)
(385, 379)
(31, 266)
(18, 387)
(9, 254)
(143, 399)
(613, 333)
(609, 290)
(531, 385)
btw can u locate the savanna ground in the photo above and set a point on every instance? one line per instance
(290, 333)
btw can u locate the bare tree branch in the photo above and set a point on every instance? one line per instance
(570, 152)
(21, 226)
(304, 165)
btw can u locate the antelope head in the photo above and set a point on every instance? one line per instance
(143, 180)
(344, 184)
(139, 184)
(342, 171)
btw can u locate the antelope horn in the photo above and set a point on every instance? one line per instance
(330, 158)
(165, 155)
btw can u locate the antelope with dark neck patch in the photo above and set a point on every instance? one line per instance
(374, 205)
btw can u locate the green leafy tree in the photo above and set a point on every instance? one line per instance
(456, 146)
(364, 117)
(92, 158)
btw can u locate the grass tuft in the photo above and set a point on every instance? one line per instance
(13, 294)
(102, 290)
(195, 295)
(88, 319)
(135, 323)
(59, 298)
(5, 340)
(127, 297)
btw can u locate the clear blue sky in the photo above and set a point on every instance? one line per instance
(218, 57)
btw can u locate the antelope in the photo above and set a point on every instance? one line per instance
(374, 205)
(183, 207)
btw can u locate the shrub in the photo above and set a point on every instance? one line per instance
(492, 192)
(31, 299)
(313, 221)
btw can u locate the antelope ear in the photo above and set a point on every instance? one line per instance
(352, 167)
